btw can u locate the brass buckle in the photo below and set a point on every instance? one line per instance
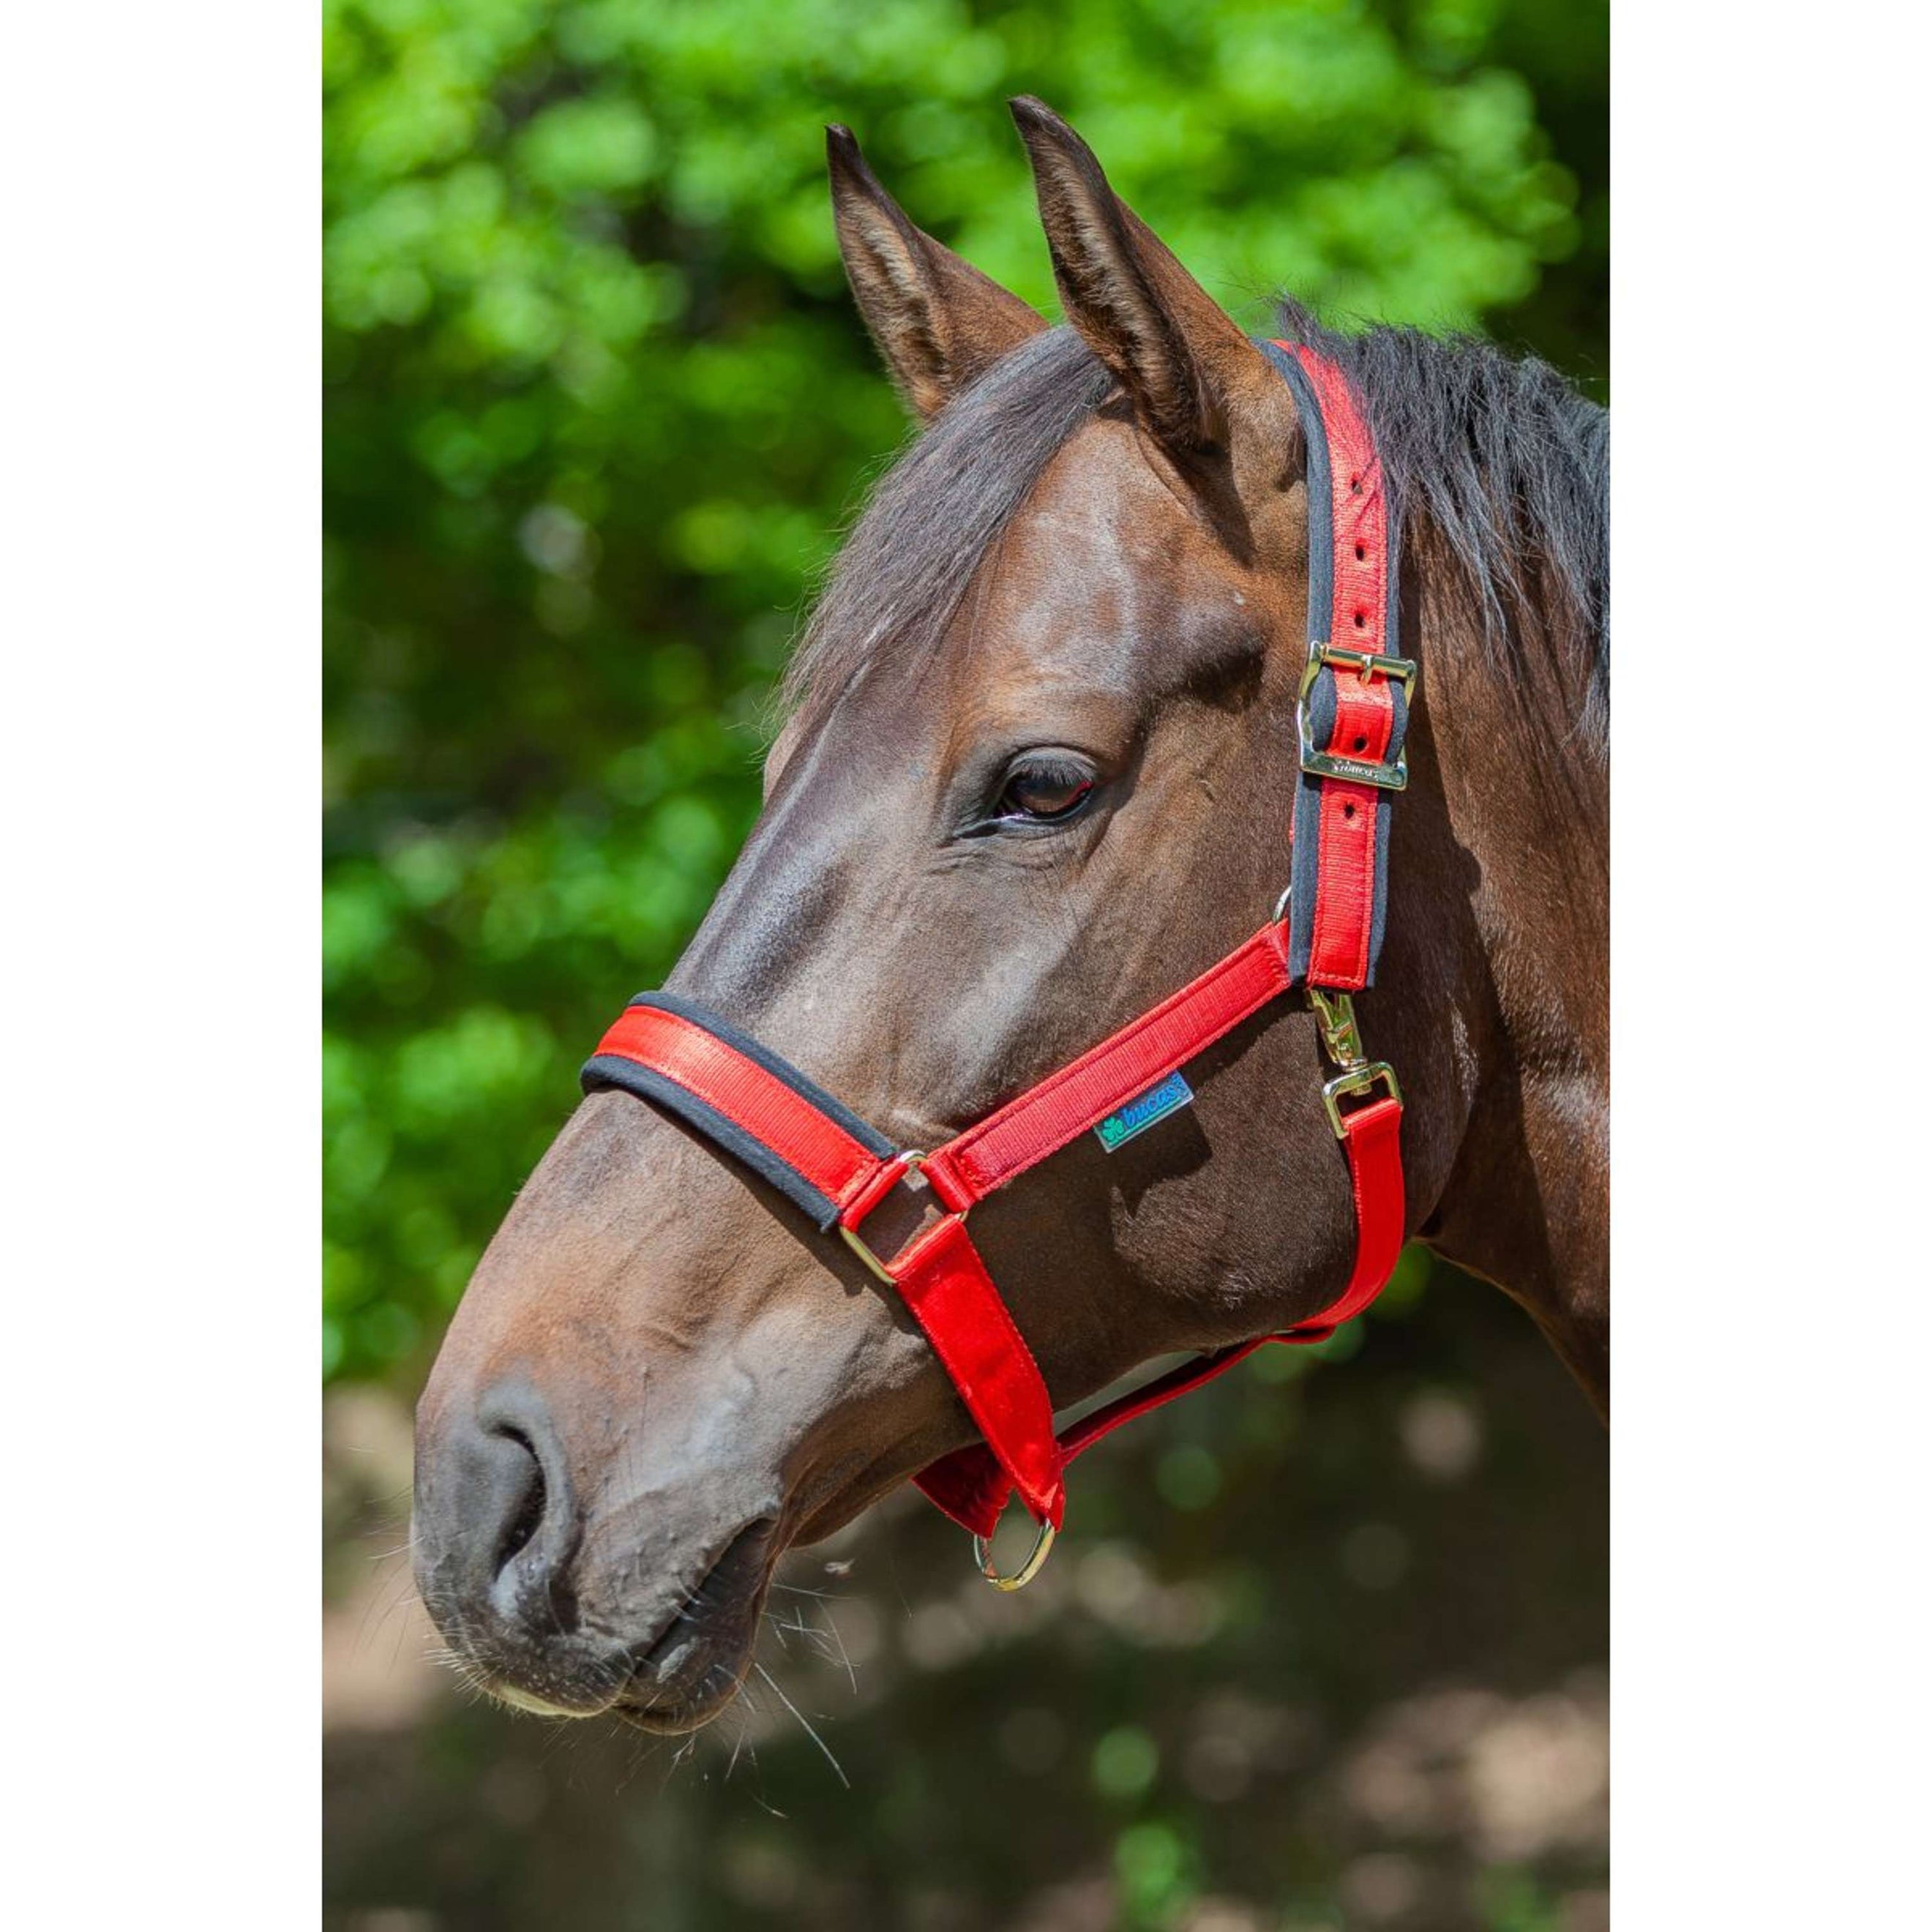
(1341, 1041)
(1036, 1560)
(914, 1158)
(1357, 1080)
(1368, 666)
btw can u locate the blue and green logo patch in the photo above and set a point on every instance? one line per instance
(1144, 1111)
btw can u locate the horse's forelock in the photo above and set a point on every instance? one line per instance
(936, 513)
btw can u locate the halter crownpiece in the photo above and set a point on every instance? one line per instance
(753, 1105)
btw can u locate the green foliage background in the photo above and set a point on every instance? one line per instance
(596, 403)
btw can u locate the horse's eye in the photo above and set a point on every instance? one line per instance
(1045, 790)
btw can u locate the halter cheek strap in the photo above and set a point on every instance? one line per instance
(1353, 710)
(837, 1169)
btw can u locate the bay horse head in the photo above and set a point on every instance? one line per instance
(1037, 771)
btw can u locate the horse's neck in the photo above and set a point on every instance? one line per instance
(1526, 1203)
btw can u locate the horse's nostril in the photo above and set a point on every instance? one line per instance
(498, 1532)
(524, 1517)
(497, 1526)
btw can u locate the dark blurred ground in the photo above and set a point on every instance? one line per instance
(1326, 1647)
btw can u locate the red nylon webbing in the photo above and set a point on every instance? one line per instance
(743, 1091)
(1345, 897)
(1343, 916)
(970, 1485)
(952, 1296)
(939, 1274)
(1086, 1090)
(1373, 1137)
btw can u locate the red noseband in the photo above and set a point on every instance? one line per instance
(753, 1105)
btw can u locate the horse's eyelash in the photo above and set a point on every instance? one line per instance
(1054, 771)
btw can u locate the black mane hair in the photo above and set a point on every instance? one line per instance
(1500, 455)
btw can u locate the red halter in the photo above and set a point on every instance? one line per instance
(756, 1106)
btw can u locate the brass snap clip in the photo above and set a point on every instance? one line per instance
(1341, 1041)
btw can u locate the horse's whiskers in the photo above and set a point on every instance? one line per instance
(777, 1692)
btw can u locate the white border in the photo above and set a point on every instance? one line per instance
(160, 774)
(1770, 1604)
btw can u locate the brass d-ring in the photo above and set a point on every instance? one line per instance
(982, 1555)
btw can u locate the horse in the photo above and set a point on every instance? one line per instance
(1036, 769)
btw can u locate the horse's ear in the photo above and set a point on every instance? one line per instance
(1180, 356)
(938, 320)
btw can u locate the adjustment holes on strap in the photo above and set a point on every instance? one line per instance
(1355, 486)
(1348, 811)
(1361, 620)
(1361, 741)
(1361, 552)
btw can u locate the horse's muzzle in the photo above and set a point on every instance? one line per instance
(558, 1615)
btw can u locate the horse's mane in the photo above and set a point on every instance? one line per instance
(1501, 455)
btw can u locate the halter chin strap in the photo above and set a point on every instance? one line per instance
(837, 1169)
